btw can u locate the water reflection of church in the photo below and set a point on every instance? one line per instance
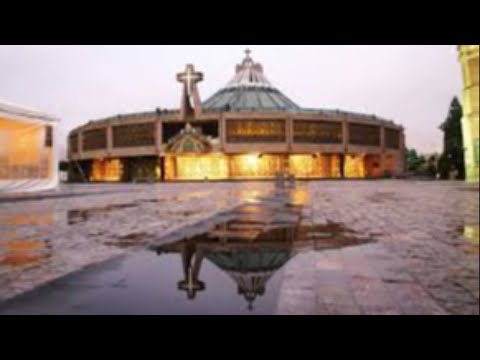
(249, 257)
(247, 130)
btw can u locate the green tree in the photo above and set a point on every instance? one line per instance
(453, 151)
(413, 160)
(432, 166)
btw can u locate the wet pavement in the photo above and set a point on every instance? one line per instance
(230, 263)
(386, 247)
(42, 240)
(420, 263)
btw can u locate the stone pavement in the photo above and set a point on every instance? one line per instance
(79, 225)
(421, 262)
(421, 257)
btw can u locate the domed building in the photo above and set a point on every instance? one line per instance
(247, 130)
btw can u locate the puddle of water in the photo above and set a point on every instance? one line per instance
(250, 252)
(131, 241)
(43, 219)
(80, 216)
(231, 264)
(471, 233)
(23, 253)
(192, 195)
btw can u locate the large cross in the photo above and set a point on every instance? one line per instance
(190, 77)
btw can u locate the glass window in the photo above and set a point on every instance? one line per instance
(49, 136)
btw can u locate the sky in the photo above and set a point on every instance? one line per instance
(412, 85)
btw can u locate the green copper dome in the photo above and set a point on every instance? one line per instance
(250, 90)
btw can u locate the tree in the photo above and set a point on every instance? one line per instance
(453, 152)
(413, 160)
(432, 166)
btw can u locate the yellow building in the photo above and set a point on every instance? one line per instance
(28, 159)
(469, 58)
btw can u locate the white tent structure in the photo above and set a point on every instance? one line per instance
(28, 149)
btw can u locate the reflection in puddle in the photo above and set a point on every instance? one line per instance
(299, 197)
(229, 264)
(131, 241)
(43, 219)
(253, 246)
(80, 216)
(471, 234)
(192, 195)
(21, 253)
(246, 196)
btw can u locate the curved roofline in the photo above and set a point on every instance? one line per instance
(353, 116)
(22, 111)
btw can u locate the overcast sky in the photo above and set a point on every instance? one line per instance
(412, 85)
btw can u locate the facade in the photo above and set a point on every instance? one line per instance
(247, 130)
(469, 58)
(28, 156)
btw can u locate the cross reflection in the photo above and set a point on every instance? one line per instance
(247, 254)
(192, 262)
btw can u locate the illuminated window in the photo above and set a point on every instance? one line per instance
(134, 135)
(202, 167)
(106, 170)
(22, 152)
(318, 132)
(256, 131)
(255, 166)
(355, 166)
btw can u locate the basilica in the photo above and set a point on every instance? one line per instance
(247, 130)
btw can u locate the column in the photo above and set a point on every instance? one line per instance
(80, 145)
(346, 135)
(109, 140)
(158, 136)
(223, 132)
(290, 132)
(382, 151)
(402, 167)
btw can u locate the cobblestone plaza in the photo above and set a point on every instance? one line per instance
(420, 254)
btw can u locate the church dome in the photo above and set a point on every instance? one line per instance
(250, 269)
(249, 90)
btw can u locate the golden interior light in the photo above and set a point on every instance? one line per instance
(471, 233)
(22, 151)
(252, 166)
(252, 161)
(22, 252)
(201, 167)
(355, 166)
(106, 170)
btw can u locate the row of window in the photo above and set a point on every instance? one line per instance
(241, 132)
